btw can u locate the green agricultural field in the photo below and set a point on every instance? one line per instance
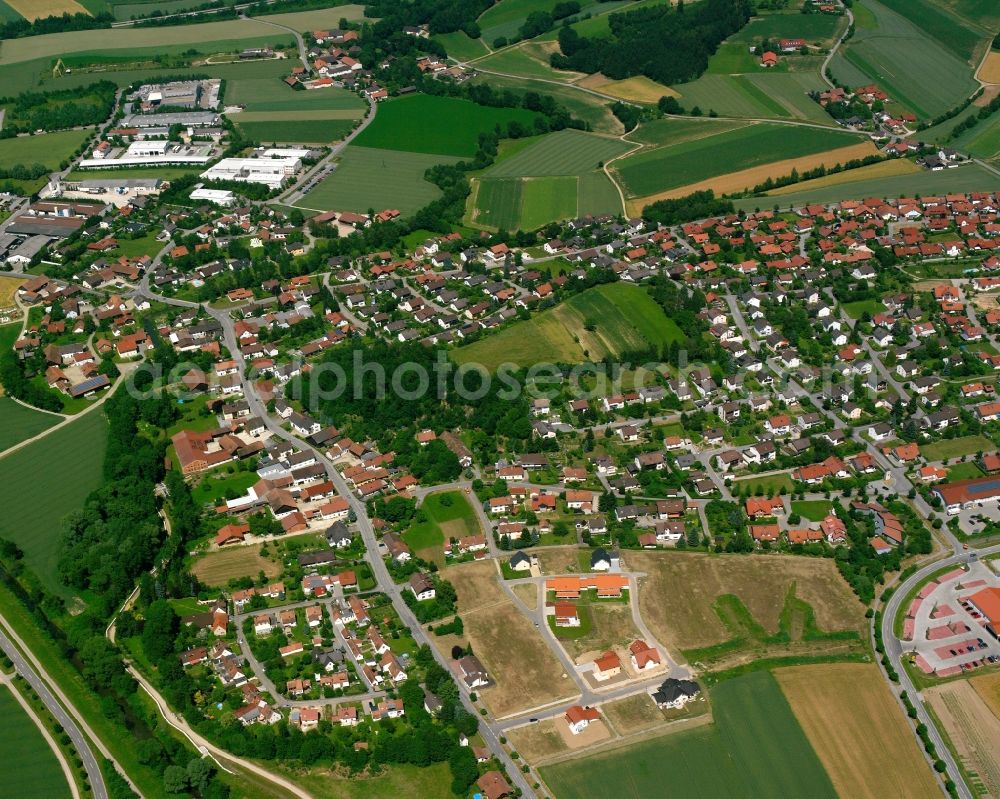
(7, 14)
(38, 773)
(674, 130)
(971, 177)
(164, 173)
(268, 93)
(21, 423)
(811, 27)
(942, 25)
(448, 515)
(587, 107)
(369, 178)
(42, 483)
(979, 12)
(498, 203)
(915, 69)
(459, 46)
(312, 131)
(597, 195)
(767, 94)
(421, 123)
(507, 16)
(566, 152)
(677, 165)
(547, 200)
(755, 749)
(519, 61)
(48, 149)
(623, 318)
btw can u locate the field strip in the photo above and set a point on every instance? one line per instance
(989, 69)
(748, 178)
(295, 116)
(37, 9)
(709, 121)
(890, 168)
(60, 757)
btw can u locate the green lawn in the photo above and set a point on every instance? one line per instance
(623, 318)
(369, 178)
(855, 310)
(144, 245)
(770, 484)
(216, 486)
(37, 772)
(566, 152)
(448, 514)
(45, 481)
(754, 749)
(964, 471)
(421, 123)
(20, 422)
(692, 161)
(956, 447)
(815, 510)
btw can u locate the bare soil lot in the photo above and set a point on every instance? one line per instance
(639, 713)
(476, 585)
(527, 593)
(611, 628)
(676, 596)
(844, 708)
(973, 730)
(559, 560)
(218, 568)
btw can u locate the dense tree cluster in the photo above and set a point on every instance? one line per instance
(19, 386)
(67, 108)
(665, 43)
(17, 28)
(697, 205)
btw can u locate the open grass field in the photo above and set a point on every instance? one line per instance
(48, 149)
(964, 471)
(507, 16)
(675, 130)
(611, 627)
(566, 152)
(524, 62)
(664, 168)
(421, 123)
(45, 481)
(815, 510)
(971, 177)
(8, 14)
(21, 423)
(770, 483)
(856, 310)
(448, 515)
(369, 178)
(432, 782)
(625, 318)
(760, 582)
(973, 730)
(218, 568)
(37, 773)
(459, 46)
(596, 194)
(638, 713)
(813, 28)
(914, 67)
(942, 25)
(956, 447)
(526, 672)
(756, 749)
(843, 708)
(545, 200)
(280, 128)
(497, 202)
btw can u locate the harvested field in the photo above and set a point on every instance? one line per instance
(39, 9)
(218, 568)
(748, 178)
(538, 742)
(526, 672)
(990, 70)
(8, 285)
(639, 89)
(528, 594)
(843, 707)
(476, 585)
(988, 687)
(761, 582)
(559, 560)
(984, 301)
(885, 169)
(973, 730)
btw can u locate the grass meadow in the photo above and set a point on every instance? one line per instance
(312, 131)
(566, 152)
(421, 123)
(765, 95)
(622, 318)
(21, 423)
(48, 149)
(45, 481)
(370, 178)
(755, 749)
(448, 515)
(37, 773)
